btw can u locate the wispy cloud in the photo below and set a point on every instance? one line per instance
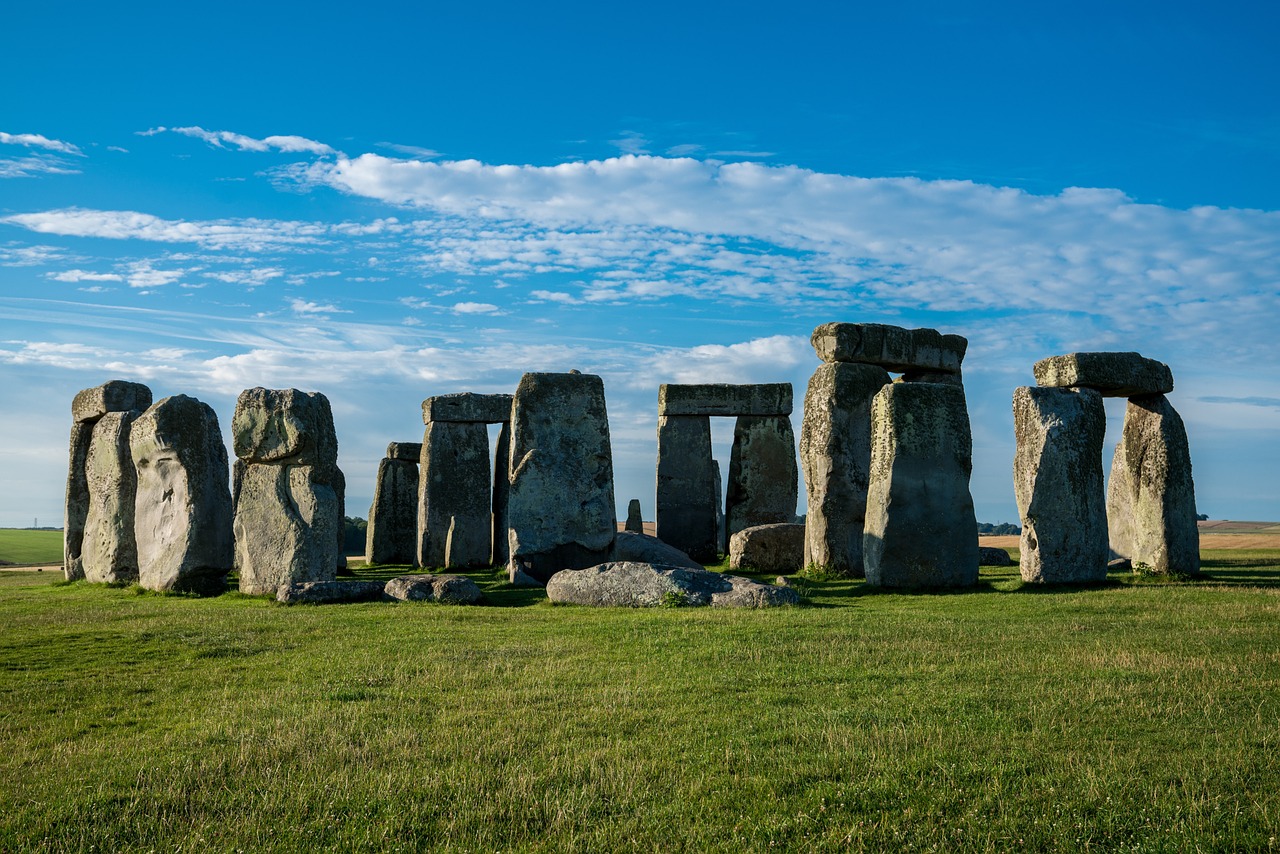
(411, 150)
(125, 225)
(30, 167)
(84, 276)
(241, 142)
(304, 307)
(1264, 402)
(35, 140)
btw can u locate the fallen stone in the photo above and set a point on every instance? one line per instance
(109, 550)
(635, 523)
(891, 347)
(920, 527)
(183, 513)
(454, 494)
(990, 556)
(1057, 481)
(724, 399)
(835, 451)
(643, 585)
(686, 504)
(445, 589)
(763, 475)
(329, 592)
(1112, 374)
(560, 508)
(768, 548)
(467, 407)
(284, 426)
(1151, 500)
(630, 547)
(405, 451)
(114, 396)
(392, 535)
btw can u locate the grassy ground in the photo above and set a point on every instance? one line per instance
(19, 545)
(1136, 715)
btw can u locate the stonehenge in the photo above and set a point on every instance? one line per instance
(1149, 513)
(635, 522)
(392, 534)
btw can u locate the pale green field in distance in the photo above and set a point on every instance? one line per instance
(19, 545)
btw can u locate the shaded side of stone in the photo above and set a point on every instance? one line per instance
(891, 347)
(768, 548)
(1151, 502)
(392, 535)
(835, 450)
(1112, 374)
(77, 501)
(1057, 481)
(115, 396)
(991, 556)
(685, 501)
(329, 592)
(453, 489)
(109, 550)
(498, 554)
(183, 509)
(633, 547)
(920, 527)
(763, 475)
(561, 502)
(635, 522)
(467, 407)
(285, 527)
(724, 399)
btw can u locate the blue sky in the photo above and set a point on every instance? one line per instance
(386, 205)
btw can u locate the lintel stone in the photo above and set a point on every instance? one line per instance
(1112, 374)
(411, 451)
(114, 396)
(891, 347)
(724, 399)
(467, 407)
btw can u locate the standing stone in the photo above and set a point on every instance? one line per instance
(453, 491)
(685, 505)
(1151, 501)
(501, 486)
(561, 503)
(109, 550)
(288, 514)
(1057, 480)
(88, 406)
(392, 535)
(763, 476)
(183, 508)
(920, 527)
(635, 523)
(835, 450)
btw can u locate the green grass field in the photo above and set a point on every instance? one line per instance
(19, 545)
(1138, 715)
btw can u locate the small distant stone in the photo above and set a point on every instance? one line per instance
(990, 556)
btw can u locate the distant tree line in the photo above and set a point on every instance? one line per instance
(353, 539)
(1001, 529)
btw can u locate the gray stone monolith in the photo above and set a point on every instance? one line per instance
(635, 522)
(392, 535)
(87, 407)
(1151, 501)
(287, 507)
(1112, 374)
(108, 549)
(1057, 481)
(561, 504)
(891, 347)
(835, 450)
(777, 548)
(454, 492)
(685, 502)
(182, 519)
(501, 486)
(920, 530)
(763, 475)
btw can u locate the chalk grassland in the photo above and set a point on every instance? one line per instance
(1137, 715)
(27, 546)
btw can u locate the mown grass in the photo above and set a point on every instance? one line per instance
(18, 545)
(1134, 715)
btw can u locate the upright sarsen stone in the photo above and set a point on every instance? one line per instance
(109, 551)
(454, 493)
(392, 535)
(685, 504)
(635, 522)
(183, 508)
(1151, 502)
(920, 527)
(561, 502)
(835, 450)
(1057, 480)
(763, 476)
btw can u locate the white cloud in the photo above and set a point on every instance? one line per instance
(475, 308)
(311, 308)
(84, 276)
(30, 167)
(35, 140)
(250, 234)
(225, 138)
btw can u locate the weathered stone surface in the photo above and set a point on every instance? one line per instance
(329, 592)
(445, 589)
(686, 507)
(501, 487)
(635, 522)
(724, 399)
(641, 548)
(115, 396)
(1112, 374)
(891, 347)
(109, 551)
(1057, 481)
(643, 585)
(407, 451)
(561, 504)
(991, 556)
(1151, 500)
(183, 509)
(763, 475)
(392, 535)
(284, 426)
(768, 548)
(77, 501)
(835, 450)
(467, 407)
(921, 376)
(285, 527)
(920, 527)
(453, 491)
